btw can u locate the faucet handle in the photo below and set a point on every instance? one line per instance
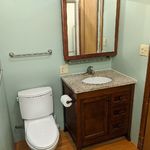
(90, 70)
(90, 67)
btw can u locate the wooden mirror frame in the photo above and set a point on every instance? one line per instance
(65, 34)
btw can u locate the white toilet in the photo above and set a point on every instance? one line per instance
(36, 106)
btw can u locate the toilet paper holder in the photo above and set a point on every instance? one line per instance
(73, 101)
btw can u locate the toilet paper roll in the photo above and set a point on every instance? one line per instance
(66, 100)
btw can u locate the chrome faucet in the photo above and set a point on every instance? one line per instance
(90, 70)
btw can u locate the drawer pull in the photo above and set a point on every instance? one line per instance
(117, 126)
(119, 98)
(118, 112)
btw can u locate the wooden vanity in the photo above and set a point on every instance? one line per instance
(98, 112)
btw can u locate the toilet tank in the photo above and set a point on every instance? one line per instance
(35, 103)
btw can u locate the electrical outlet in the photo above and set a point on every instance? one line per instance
(64, 69)
(144, 49)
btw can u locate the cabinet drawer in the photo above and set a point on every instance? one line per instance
(119, 111)
(121, 98)
(119, 127)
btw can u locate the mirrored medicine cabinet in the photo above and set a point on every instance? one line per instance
(90, 28)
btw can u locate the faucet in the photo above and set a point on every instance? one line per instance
(90, 70)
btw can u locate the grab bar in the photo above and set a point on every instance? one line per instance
(12, 55)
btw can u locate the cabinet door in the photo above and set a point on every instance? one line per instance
(94, 119)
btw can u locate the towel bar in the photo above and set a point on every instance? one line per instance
(12, 55)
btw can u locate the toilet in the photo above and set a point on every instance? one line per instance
(36, 106)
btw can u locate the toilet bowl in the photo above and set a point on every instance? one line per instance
(42, 134)
(41, 131)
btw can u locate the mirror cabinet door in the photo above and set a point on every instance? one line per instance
(90, 28)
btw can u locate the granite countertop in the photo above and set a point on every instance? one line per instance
(74, 81)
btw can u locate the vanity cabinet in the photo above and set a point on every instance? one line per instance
(99, 115)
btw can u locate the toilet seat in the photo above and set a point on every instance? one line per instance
(42, 133)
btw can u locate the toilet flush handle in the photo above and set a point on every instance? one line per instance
(19, 126)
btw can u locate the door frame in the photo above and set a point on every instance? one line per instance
(145, 109)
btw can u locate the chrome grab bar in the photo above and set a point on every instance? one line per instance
(12, 55)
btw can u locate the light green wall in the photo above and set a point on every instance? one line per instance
(31, 26)
(6, 141)
(134, 30)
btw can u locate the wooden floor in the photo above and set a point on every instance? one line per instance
(66, 143)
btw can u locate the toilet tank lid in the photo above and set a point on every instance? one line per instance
(35, 92)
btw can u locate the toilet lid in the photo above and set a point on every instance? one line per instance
(42, 133)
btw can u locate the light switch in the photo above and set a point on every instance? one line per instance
(144, 49)
(64, 69)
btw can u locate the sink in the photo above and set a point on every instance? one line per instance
(96, 80)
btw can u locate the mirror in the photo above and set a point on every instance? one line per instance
(90, 28)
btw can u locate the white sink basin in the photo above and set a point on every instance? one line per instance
(96, 80)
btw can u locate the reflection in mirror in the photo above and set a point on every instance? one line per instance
(109, 23)
(88, 26)
(73, 27)
(82, 26)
